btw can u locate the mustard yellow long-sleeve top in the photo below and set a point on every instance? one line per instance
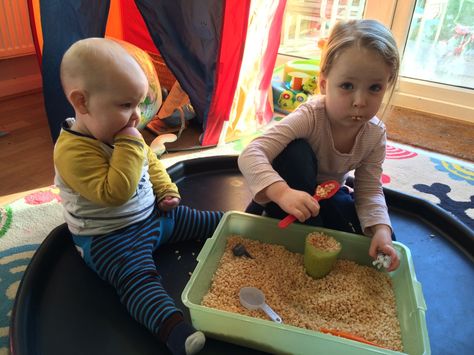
(105, 188)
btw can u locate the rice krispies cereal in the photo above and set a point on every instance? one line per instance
(352, 298)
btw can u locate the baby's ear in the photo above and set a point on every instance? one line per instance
(77, 98)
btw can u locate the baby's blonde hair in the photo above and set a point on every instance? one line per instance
(88, 62)
(369, 34)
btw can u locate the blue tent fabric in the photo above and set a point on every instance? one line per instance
(187, 34)
(63, 23)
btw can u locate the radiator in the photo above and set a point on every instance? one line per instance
(15, 33)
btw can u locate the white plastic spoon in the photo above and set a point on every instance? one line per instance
(252, 298)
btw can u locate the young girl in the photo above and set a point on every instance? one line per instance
(329, 136)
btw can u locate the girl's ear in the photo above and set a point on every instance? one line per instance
(322, 84)
(78, 100)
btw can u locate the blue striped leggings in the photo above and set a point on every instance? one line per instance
(124, 259)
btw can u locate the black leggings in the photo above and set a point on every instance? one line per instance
(298, 166)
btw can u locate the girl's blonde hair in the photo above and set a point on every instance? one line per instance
(369, 34)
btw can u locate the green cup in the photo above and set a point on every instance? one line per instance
(317, 262)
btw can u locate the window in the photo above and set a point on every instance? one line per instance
(435, 37)
(307, 21)
(440, 44)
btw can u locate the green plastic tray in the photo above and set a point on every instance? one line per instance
(271, 337)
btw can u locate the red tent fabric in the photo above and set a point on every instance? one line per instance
(228, 69)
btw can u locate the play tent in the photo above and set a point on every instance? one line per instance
(222, 52)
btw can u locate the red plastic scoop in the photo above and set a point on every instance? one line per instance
(324, 191)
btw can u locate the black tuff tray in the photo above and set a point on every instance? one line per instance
(62, 307)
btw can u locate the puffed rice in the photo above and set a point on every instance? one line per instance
(351, 298)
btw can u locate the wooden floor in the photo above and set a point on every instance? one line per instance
(26, 152)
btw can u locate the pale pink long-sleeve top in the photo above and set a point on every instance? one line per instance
(311, 123)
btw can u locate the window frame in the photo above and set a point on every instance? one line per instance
(428, 97)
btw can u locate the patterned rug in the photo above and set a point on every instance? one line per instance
(446, 182)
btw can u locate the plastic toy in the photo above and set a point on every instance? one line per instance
(293, 83)
(286, 100)
(158, 144)
(382, 260)
(239, 250)
(300, 98)
(152, 103)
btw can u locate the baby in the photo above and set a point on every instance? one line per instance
(119, 202)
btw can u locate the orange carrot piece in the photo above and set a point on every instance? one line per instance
(348, 336)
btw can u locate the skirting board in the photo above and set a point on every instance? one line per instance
(19, 85)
